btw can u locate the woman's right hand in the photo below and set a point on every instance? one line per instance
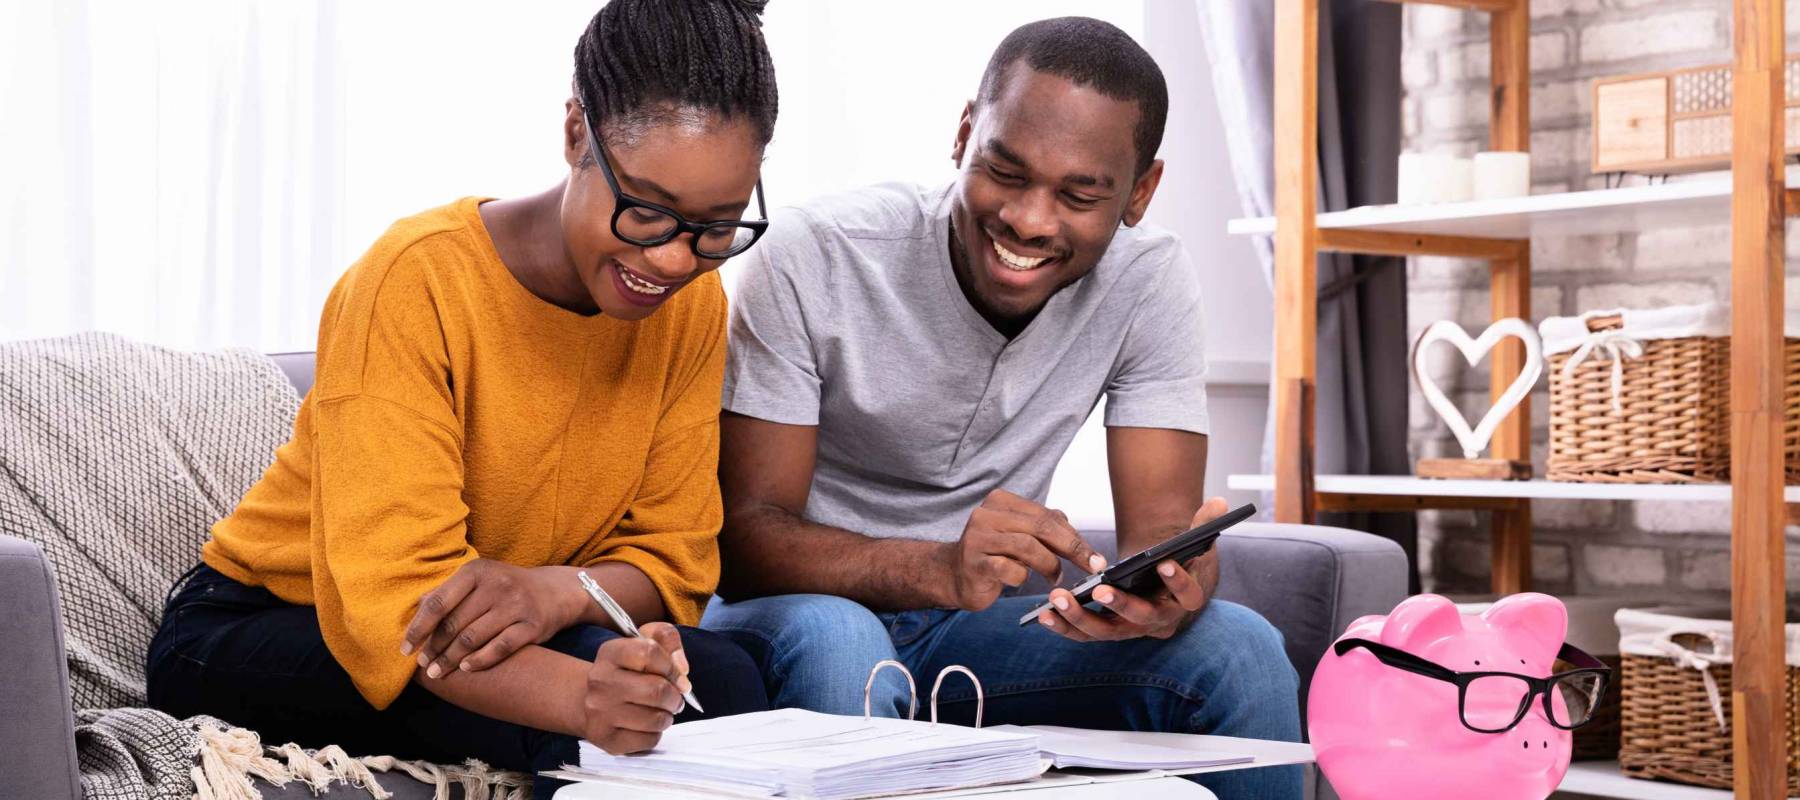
(634, 690)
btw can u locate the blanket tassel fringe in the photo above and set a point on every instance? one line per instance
(230, 757)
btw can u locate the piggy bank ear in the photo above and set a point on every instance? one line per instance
(1531, 617)
(1421, 619)
(1364, 627)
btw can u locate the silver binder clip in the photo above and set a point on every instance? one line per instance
(980, 699)
(912, 711)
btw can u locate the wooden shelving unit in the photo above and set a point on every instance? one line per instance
(1756, 198)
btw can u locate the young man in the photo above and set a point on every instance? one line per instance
(907, 365)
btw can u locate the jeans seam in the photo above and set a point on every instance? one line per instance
(176, 652)
(737, 629)
(185, 657)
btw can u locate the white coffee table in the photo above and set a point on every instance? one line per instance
(1054, 785)
(1148, 789)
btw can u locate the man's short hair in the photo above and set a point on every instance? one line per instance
(1092, 54)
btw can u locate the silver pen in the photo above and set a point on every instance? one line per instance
(623, 620)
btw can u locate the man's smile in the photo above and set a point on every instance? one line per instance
(1015, 261)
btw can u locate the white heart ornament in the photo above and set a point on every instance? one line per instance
(1473, 351)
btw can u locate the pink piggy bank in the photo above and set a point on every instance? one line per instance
(1384, 732)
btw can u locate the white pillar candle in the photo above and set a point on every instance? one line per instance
(1502, 174)
(1434, 178)
(1458, 181)
(1419, 174)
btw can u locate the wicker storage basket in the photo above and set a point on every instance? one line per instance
(1671, 424)
(1670, 420)
(1670, 729)
(1790, 421)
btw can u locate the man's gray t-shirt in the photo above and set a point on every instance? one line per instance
(848, 316)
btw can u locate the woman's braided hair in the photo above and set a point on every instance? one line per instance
(643, 63)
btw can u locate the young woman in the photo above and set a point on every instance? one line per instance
(508, 393)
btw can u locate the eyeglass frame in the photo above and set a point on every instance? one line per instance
(1402, 660)
(623, 202)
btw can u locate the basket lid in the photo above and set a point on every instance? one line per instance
(1700, 632)
(1563, 334)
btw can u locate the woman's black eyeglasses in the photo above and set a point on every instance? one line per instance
(1493, 702)
(647, 224)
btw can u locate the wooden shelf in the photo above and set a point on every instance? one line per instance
(1409, 486)
(1632, 208)
(1471, 5)
(1602, 779)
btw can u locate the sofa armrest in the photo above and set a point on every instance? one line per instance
(1310, 582)
(37, 742)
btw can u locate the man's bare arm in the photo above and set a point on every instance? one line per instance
(765, 473)
(1158, 479)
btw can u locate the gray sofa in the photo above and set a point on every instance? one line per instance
(1309, 581)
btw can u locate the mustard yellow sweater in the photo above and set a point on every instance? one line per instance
(456, 415)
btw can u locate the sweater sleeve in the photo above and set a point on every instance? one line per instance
(387, 527)
(388, 520)
(671, 530)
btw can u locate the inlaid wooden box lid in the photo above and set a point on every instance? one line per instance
(1675, 121)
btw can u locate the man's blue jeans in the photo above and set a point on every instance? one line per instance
(1224, 674)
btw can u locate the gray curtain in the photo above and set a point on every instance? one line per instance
(1362, 345)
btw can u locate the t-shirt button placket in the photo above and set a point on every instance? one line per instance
(996, 379)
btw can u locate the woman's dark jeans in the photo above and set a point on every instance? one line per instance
(243, 655)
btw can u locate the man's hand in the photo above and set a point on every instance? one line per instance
(1006, 539)
(1185, 592)
(634, 690)
(486, 612)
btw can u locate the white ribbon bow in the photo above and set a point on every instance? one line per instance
(1684, 657)
(1618, 347)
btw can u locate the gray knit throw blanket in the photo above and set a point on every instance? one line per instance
(116, 458)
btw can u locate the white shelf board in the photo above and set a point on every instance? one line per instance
(1537, 490)
(1602, 779)
(1632, 208)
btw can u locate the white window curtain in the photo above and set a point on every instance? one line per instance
(169, 171)
(197, 173)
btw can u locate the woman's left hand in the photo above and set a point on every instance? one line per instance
(484, 613)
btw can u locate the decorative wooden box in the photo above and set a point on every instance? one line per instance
(1676, 121)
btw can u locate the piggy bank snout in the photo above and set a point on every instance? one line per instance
(1535, 744)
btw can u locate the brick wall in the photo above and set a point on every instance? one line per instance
(1580, 547)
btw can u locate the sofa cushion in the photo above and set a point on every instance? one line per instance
(1311, 581)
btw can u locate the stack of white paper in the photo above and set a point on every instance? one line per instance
(795, 753)
(1070, 749)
